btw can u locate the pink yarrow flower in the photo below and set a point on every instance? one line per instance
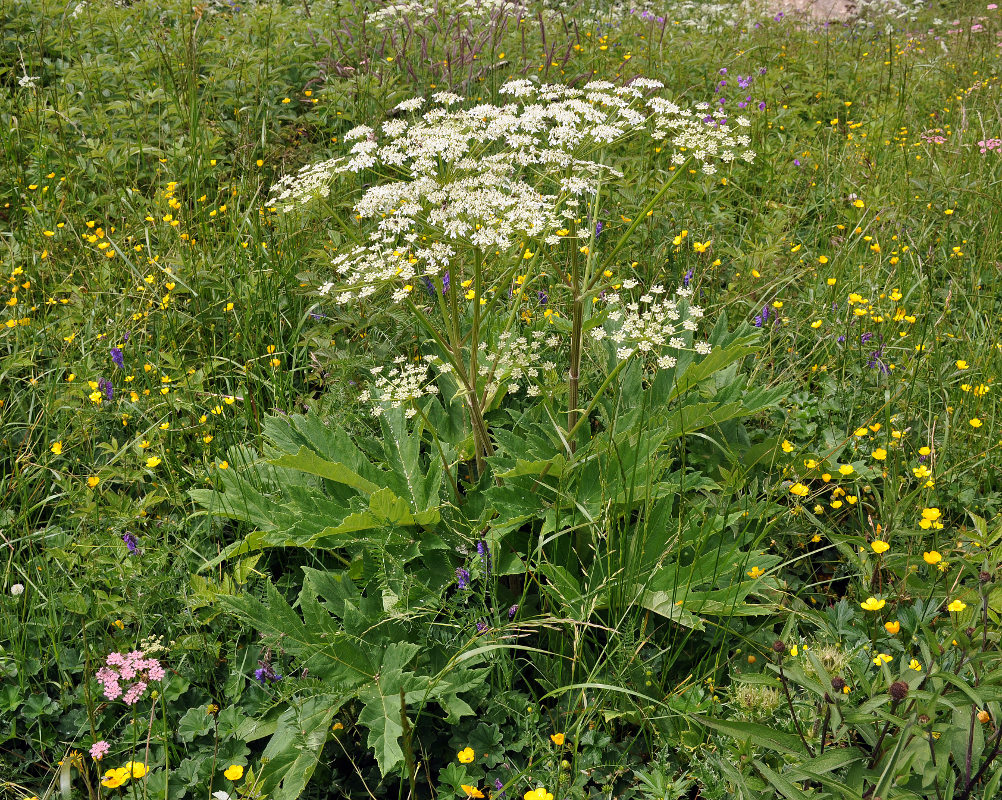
(134, 670)
(99, 750)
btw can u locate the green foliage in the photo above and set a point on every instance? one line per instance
(188, 464)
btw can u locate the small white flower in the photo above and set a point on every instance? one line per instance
(17, 589)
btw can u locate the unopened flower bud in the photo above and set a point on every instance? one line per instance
(983, 716)
(838, 684)
(778, 646)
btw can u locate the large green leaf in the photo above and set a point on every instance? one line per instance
(292, 753)
(305, 460)
(760, 735)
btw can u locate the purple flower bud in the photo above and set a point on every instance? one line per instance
(105, 386)
(117, 357)
(463, 578)
(512, 612)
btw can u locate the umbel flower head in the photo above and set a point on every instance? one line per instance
(492, 176)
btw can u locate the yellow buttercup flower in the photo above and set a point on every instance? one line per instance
(233, 772)
(755, 572)
(892, 627)
(57, 448)
(471, 791)
(846, 469)
(872, 604)
(466, 755)
(879, 454)
(880, 546)
(956, 606)
(557, 738)
(932, 557)
(914, 664)
(799, 490)
(538, 794)
(113, 778)
(882, 658)
(135, 768)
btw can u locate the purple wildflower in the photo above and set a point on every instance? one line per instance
(105, 386)
(463, 578)
(686, 278)
(512, 612)
(499, 786)
(265, 673)
(131, 543)
(598, 228)
(761, 106)
(117, 357)
(481, 626)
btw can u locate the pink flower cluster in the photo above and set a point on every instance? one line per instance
(99, 750)
(990, 144)
(132, 669)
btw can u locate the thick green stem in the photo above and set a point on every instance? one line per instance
(591, 406)
(574, 372)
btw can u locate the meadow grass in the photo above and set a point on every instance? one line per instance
(159, 315)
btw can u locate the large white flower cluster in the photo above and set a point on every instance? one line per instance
(653, 325)
(394, 15)
(402, 384)
(492, 176)
(517, 361)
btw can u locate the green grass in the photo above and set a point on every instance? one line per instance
(135, 174)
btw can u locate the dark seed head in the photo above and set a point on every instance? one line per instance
(838, 684)
(778, 646)
(898, 691)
